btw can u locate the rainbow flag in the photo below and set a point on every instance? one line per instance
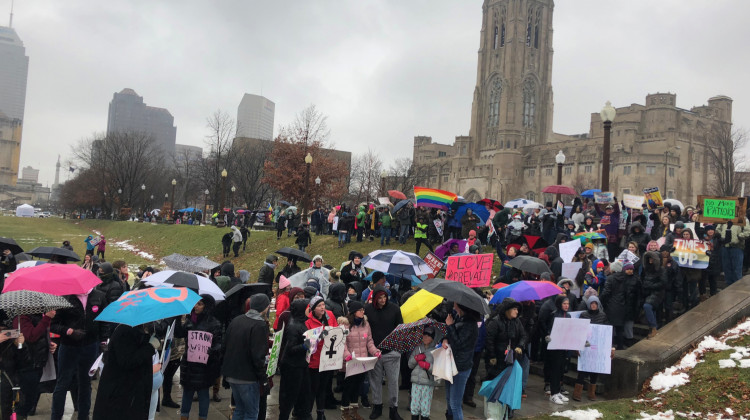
(430, 197)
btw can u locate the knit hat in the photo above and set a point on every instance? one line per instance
(679, 225)
(271, 258)
(600, 264)
(284, 282)
(616, 267)
(259, 302)
(355, 305)
(315, 301)
(545, 276)
(589, 246)
(309, 292)
(667, 248)
(472, 233)
(628, 266)
(709, 227)
(106, 268)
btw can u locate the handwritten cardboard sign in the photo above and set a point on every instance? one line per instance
(360, 365)
(604, 197)
(653, 198)
(198, 345)
(313, 335)
(332, 353)
(471, 270)
(632, 201)
(435, 264)
(596, 357)
(569, 334)
(722, 209)
(273, 358)
(691, 253)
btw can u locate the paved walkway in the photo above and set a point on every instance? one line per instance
(534, 405)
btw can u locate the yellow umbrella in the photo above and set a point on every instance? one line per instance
(419, 305)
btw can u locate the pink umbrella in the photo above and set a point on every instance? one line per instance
(55, 279)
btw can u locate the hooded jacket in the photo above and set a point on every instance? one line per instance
(266, 273)
(236, 234)
(336, 300)
(328, 320)
(199, 375)
(419, 375)
(359, 340)
(502, 332)
(654, 278)
(111, 285)
(596, 316)
(293, 350)
(638, 235)
(617, 295)
(546, 325)
(382, 320)
(81, 319)
(462, 337)
(555, 262)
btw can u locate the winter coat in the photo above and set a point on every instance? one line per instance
(738, 235)
(610, 222)
(615, 297)
(501, 219)
(125, 385)
(34, 329)
(328, 321)
(79, 319)
(111, 286)
(236, 234)
(266, 273)
(469, 222)
(654, 278)
(293, 351)
(555, 262)
(246, 348)
(385, 219)
(638, 235)
(282, 304)
(421, 376)
(303, 237)
(598, 316)
(359, 341)
(336, 300)
(546, 325)
(501, 333)
(382, 320)
(674, 276)
(462, 337)
(198, 375)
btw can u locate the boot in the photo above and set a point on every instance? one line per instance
(353, 413)
(652, 333)
(346, 413)
(184, 417)
(414, 417)
(393, 414)
(168, 402)
(321, 415)
(592, 392)
(577, 392)
(366, 401)
(377, 411)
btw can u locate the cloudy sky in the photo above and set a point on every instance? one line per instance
(382, 71)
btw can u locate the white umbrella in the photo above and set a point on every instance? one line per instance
(398, 263)
(674, 202)
(171, 278)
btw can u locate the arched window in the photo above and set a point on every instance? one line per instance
(529, 27)
(494, 40)
(493, 113)
(502, 34)
(529, 104)
(536, 28)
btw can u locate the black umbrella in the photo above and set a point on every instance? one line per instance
(456, 292)
(8, 243)
(294, 253)
(48, 252)
(284, 203)
(530, 264)
(25, 302)
(246, 290)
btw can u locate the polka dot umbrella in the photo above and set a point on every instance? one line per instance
(408, 336)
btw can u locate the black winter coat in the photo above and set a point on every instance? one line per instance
(616, 296)
(639, 236)
(79, 319)
(125, 385)
(265, 274)
(292, 345)
(654, 278)
(383, 320)
(502, 332)
(336, 297)
(546, 324)
(246, 348)
(462, 337)
(35, 332)
(199, 375)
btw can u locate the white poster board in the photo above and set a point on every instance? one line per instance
(568, 249)
(569, 334)
(597, 356)
(570, 270)
(332, 353)
(360, 365)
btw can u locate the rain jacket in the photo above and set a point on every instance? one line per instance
(328, 321)
(421, 376)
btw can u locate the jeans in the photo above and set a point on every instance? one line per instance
(155, 385)
(650, 316)
(731, 262)
(73, 362)
(387, 366)
(342, 237)
(385, 235)
(29, 382)
(187, 402)
(246, 401)
(454, 393)
(403, 233)
(471, 383)
(525, 364)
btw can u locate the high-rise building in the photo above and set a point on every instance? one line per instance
(255, 117)
(14, 68)
(128, 113)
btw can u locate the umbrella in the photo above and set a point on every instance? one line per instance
(446, 246)
(488, 202)
(674, 202)
(498, 285)
(245, 290)
(506, 387)
(526, 290)
(536, 243)
(294, 253)
(293, 209)
(405, 337)
(397, 194)
(284, 203)
(192, 264)
(520, 203)
(10, 244)
(27, 264)
(530, 264)
(390, 278)
(477, 209)
(300, 279)
(22, 257)
(55, 279)
(47, 252)
(176, 261)
(458, 293)
(171, 278)
(587, 237)
(400, 204)
(398, 263)
(590, 193)
(559, 189)
(419, 305)
(25, 302)
(142, 306)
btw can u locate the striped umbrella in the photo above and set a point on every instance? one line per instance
(398, 263)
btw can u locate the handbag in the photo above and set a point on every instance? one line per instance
(509, 355)
(444, 366)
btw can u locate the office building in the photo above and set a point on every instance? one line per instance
(255, 117)
(14, 69)
(128, 113)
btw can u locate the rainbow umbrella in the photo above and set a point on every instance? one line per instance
(587, 237)
(419, 305)
(526, 290)
(408, 336)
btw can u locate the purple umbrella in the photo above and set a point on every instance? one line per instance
(526, 290)
(446, 246)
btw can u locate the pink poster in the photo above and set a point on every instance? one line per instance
(471, 270)
(198, 345)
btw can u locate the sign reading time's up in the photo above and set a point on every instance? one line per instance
(722, 209)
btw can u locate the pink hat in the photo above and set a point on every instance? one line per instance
(284, 282)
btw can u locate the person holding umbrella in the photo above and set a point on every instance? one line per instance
(35, 329)
(461, 338)
(422, 381)
(13, 356)
(505, 334)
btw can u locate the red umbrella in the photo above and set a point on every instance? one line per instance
(498, 285)
(559, 189)
(55, 279)
(397, 194)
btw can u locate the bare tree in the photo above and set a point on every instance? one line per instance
(582, 183)
(725, 158)
(366, 176)
(186, 169)
(221, 131)
(248, 175)
(403, 176)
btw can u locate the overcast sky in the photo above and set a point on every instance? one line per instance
(382, 71)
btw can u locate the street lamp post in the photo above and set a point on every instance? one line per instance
(317, 192)
(171, 203)
(231, 200)
(143, 203)
(608, 115)
(205, 206)
(308, 162)
(119, 198)
(223, 196)
(560, 159)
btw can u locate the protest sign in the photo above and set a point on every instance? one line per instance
(438, 226)
(596, 357)
(576, 314)
(570, 270)
(360, 365)
(312, 335)
(653, 198)
(435, 264)
(332, 353)
(472, 270)
(722, 209)
(273, 358)
(691, 253)
(168, 340)
(627, 257)
(569, 334)
(198, 345)
(568, 249)
(632, 201)
(384, 200)
(605, 197)
(560, 207)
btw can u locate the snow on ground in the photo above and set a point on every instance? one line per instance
(125, 245)
(589, 414)
(667, 415)
(727, 363)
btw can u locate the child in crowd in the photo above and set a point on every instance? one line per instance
(422, 381)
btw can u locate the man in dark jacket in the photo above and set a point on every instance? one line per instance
(295, 381)
(112, 288)
(78, 349)
(226, 244)
(639, 236)
(336, 300)
(555, 262)
(384, 316)
(267, 272)
(244, 365)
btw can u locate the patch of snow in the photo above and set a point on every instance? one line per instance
(689, 361)
(712, 344)
(667, 415)
(589, 414)
(644, 400)
(668, 379)
(125, 245)
(727, 363)
(729, 411)
(736, 356)
(745, 363)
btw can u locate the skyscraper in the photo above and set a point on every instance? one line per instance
(14, 68)
(255, 117)
(128, 113)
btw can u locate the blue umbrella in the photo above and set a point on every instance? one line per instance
(187, 209)
(478, 209)
(590, 193)
(284, 203)
(400, 204)
(505, 388)
(139, 307)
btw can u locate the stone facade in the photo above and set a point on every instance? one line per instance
(510, 150)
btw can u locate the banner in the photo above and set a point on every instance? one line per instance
(273, 358)
(198, 345)
(360, 365)
(332, 353)
(472, 270)
(691, 253)
(569, 334)
(605, 197)
(596, 357)
(167, 347)
(568, 249)
(384, 200)
(632, 201)
(435, 264)
(722, 209)
(653, 198)
(570, 270)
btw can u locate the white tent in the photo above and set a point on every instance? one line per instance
(25, 210)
